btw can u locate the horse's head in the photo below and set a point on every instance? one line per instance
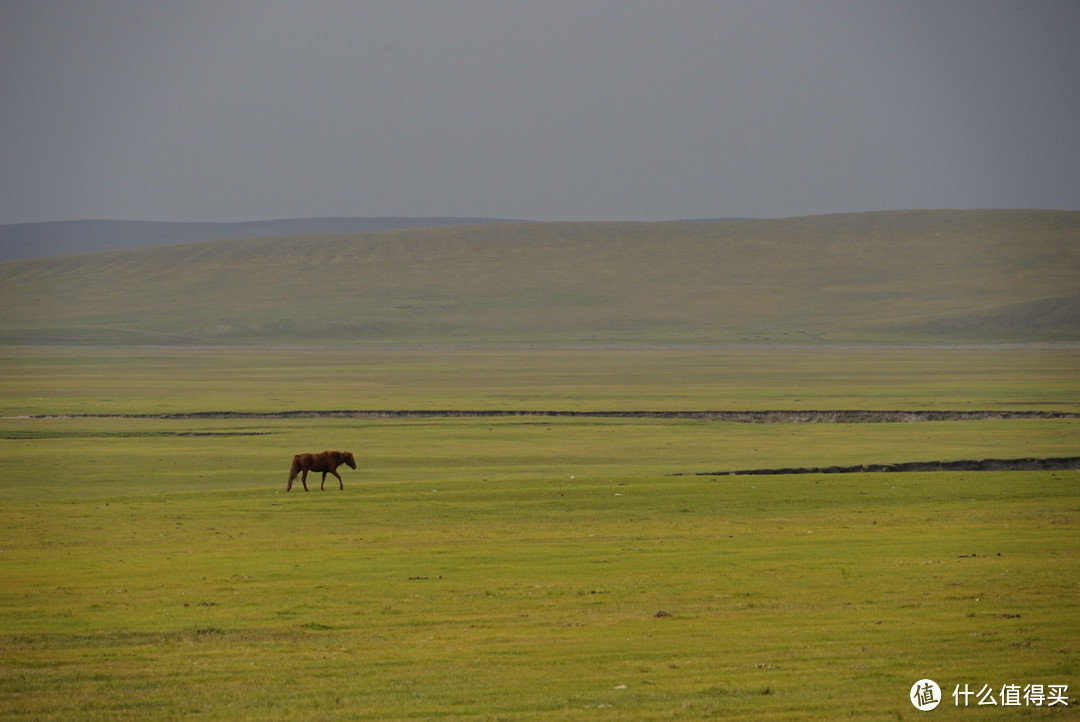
(349, 460)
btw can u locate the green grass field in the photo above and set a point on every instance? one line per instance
(529, 567)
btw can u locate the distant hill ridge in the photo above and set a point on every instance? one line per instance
(985, 276)
(62, 238)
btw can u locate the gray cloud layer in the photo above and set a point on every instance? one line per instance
(554, 110)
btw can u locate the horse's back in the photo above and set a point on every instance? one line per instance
(326, 461)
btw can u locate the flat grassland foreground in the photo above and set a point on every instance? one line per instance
(528, 566)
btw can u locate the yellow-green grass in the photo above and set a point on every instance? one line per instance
(66, 459)
(50, 380)
(637, 596)
(528, 567)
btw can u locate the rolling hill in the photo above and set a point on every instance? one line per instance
(885, 277)
(61, 238)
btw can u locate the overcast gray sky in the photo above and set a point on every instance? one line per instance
(229, 110)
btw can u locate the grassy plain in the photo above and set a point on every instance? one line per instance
(528, 567)
(57, 380)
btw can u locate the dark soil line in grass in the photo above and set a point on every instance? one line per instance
(1030, 464)
(759, 417)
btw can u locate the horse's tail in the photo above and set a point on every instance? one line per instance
(295, 468)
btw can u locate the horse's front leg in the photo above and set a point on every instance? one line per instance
(323, 482)
(303, 479)
(341, 484)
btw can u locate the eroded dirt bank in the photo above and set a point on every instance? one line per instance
(1029, 464)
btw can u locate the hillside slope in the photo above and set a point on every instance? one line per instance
(890, 277)
(62, 238)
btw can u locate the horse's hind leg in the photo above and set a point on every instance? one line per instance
(323, 482)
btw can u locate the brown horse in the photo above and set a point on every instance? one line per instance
(326, 462)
